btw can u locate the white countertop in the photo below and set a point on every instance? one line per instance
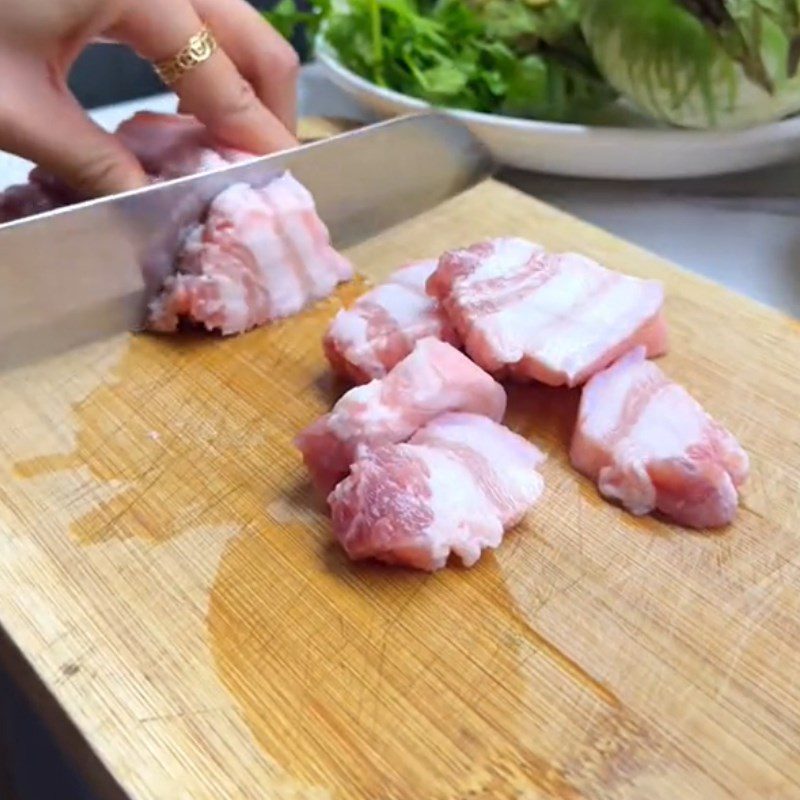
(740, 230)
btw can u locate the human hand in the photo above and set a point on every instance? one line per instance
(245, 93)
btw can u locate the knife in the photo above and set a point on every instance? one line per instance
(85, 272)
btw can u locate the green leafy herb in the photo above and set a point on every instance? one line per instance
(518, 57)
(286, 18)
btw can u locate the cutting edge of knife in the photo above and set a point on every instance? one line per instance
(477, 161)
(485, 156)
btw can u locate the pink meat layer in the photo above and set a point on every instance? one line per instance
(433, 379)
(25, 200)
(650, 445)
(175, 145)
(456, 487)
(261, 255)
(167, 145)
(558, 319)
(381, 328)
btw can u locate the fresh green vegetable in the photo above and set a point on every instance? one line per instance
(700, 63)
(519, 57)
(693, 63)
(286, 18)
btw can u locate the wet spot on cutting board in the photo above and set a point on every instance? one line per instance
(373, 681)
(197, 430)
(358, 677)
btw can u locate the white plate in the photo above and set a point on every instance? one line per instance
(640, 151)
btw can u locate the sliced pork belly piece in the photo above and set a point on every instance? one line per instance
(433, 379)
(650, 445)
(558, 319)
(381, 328)
(261, 255)
(456, 487)
(175, 145)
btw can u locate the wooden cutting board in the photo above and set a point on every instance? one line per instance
(172, 597)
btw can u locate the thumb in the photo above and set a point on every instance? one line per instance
(52, 130)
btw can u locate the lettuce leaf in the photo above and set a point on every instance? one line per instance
(700, 63)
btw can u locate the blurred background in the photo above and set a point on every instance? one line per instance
(107, 74)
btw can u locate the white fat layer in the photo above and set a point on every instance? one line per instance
(349, 329)
(257, 231)
(515, 329)
(413, 313)
(509, 256)
(670, 424)
(404, 305)
(414, 276)
(463, 519)
(590, 334)
(495, 442)
(361, 414)
(605, 395)
(424, 384)
(297, 217)
(390, 409)
(560, 326)
(232, 299)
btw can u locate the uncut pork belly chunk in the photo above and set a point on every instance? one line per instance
(381, 328)
(433, 379)
(43, 192)
(261, 255)
(455, 487)
(556, 318)
(651, 446)
(25, 200)
(175, 145)
(167, 146)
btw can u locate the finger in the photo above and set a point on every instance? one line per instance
(50, 128)
(214, 91)
(260, 53)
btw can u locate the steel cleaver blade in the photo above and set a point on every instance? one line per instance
(85, 272)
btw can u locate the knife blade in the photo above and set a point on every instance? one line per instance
(78, 274)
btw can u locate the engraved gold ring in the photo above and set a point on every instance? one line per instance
(197, 50)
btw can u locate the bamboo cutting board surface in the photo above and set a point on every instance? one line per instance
(168, 575)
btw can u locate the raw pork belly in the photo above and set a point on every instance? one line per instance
(650, 445)
(381, 328)
(557, 319)
(167, 146)
(456, 487)
(175, 145)
(25, 200)
(261, 254)
(43, 192)
(433, 379)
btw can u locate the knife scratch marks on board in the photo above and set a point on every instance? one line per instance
(401, 653)
(150, 667)
(562, 660)
(764, 593)
(39, 401)
(397, 658)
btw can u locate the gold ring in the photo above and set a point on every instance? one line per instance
(198, 49)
